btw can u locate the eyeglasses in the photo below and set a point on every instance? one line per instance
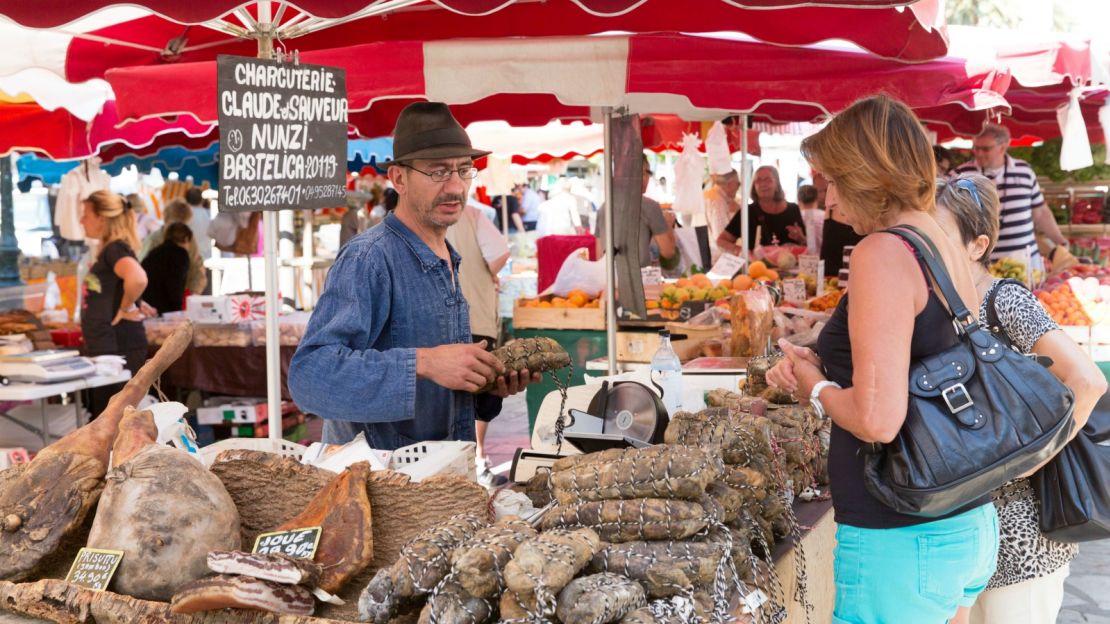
(466, 172)
(970, 187)
(982, 148)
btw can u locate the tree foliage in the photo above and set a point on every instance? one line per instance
(989, 13)
(1045, 160)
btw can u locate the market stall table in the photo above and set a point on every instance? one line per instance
(42, 391)
(235, 371)
(818, 530)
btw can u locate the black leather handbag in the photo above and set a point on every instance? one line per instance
(979, 414)
(1074, 487)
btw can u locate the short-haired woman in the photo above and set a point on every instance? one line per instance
(1028, 586)
(112, 314)
(889, 567)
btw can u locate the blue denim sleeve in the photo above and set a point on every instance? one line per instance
(336, 373)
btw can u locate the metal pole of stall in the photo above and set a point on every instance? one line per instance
(270, 231)
(744, 195)
(610, 277)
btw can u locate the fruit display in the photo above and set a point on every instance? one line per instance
(1009, 268)
(1066, 308)
(780, 256)
(699, 287)
(575, 299)
(826, 302)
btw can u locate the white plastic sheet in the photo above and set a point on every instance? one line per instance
(689, 172)
(1075, 150)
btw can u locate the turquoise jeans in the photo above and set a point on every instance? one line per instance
(914, 575)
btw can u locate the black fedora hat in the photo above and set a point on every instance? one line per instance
(428, 130)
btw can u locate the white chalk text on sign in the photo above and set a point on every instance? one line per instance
(296, 543)
(283, 132)
(93, 568)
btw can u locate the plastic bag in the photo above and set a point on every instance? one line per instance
(689, 171)
(752, 321)
(581, 273)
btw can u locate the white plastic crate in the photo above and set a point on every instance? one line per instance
(425, 459)
(281, 447)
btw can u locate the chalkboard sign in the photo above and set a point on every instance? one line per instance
(283, 135)
(93, 568)
(298, 543)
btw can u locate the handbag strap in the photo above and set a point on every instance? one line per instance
(993, 322)
(930, 256)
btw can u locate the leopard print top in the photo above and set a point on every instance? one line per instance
(1023, 552)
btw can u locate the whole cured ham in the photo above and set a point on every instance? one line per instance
(49, 499)
(342, 511)
(164, 510)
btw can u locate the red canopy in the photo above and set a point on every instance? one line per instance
(1045, 70)
(52, 13)
(532, 81)
(899, 29)
(59, 135)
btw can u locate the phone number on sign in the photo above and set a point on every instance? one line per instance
(260, 196)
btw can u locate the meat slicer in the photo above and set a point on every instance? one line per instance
(626, 414)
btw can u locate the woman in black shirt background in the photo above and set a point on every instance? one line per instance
(778, 221)
(112, 315)
(167, 270)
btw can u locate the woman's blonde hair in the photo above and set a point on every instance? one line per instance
(878, 156)
(973, 201)
(119, 219)
(179, 211)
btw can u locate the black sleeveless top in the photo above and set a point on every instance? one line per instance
(852, 503)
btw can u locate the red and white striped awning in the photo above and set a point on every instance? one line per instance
(532, 81)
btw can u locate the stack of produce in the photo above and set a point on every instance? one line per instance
(826, 302)
(576, 298)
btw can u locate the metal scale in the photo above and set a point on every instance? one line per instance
(626, 414)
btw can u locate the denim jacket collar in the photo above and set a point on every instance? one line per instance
(428, 259)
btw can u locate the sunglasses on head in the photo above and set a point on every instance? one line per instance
(971, 188)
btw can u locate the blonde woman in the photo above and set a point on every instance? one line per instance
(889, 567)
(112, 314)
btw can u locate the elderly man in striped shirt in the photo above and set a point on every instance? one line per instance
(1023, 207)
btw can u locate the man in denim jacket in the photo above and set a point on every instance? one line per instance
(388, 349)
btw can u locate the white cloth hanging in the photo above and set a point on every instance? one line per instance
(76, 186)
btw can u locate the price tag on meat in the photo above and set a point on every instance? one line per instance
(283, 134)
(93, 568)
(298, 543)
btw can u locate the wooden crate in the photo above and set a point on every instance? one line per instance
(640, 346)
(557, 318)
